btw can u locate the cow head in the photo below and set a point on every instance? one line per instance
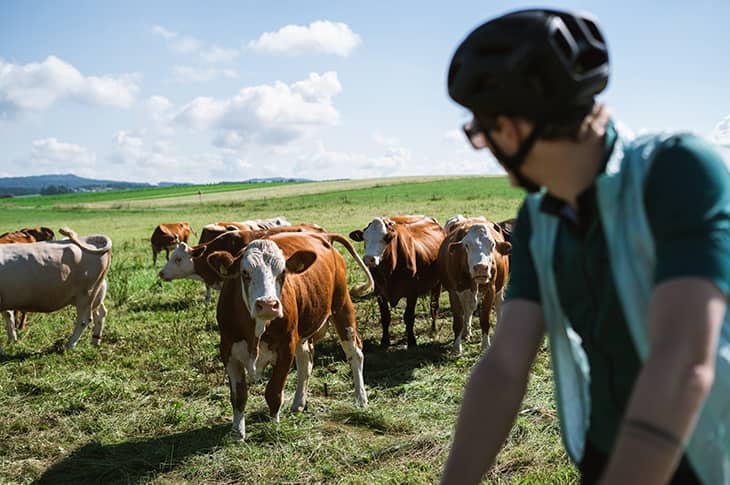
(377, 236)
(180, 264)
(262, 268)
(479, 247)
(40, 233)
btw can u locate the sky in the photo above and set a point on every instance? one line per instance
(203, 92)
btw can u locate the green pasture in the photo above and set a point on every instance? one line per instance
(151, 404)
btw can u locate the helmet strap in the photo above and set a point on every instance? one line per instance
(514, 162)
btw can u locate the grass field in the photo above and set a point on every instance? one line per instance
(151, 404)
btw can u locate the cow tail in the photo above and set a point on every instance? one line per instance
(91, 249)
(365, 288)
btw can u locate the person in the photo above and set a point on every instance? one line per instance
(621, 254)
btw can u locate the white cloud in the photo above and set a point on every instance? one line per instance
(145, 158)
(201, 74)
(187, 44)
(37, 86)
(721, 133)
(53, 153)
(219, 54)
(163, 32)
(268, 113)
(320, 37)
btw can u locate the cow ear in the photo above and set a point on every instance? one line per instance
(454, 246)
(504, 248)
(300, 261)
(356, 235)
(224, 265)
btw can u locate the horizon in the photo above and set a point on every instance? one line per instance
(178, 93)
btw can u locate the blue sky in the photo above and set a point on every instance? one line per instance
(205, 92)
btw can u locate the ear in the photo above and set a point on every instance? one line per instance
(224, 265)
(504, 248)
(455, 246)
(356, 235)
(300, 261)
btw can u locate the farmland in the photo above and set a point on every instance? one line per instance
(150, 405)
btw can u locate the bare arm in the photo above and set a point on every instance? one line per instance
(486, 414)
(685, 317)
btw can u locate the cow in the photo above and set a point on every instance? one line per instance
(402, 252)
(26, 235)
(474, 266)
(167, 236)
(180, 265)
(50, 275)
(277, 296)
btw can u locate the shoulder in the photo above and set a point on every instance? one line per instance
(690, 162)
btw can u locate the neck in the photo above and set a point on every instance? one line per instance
(572, 167)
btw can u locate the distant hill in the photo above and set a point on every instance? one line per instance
(60, 183)
(268, 180)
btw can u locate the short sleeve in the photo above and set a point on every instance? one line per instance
(687, 200)
(523, 279)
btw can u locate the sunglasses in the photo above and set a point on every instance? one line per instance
(474, 132)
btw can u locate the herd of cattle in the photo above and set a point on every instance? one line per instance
(280, 285)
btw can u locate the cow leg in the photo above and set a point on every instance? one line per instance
(275, 387)
(167, 254)
(10, 325)
(352, 345)
(20, 319)
(154, 256)
(458, 316)
(99, 314)
(208, 294)
(384, 320)
(484, 314)
(83, 317)
(498, 300)
(233, 361)
(434, 307)
(303, 356)
(409, 317)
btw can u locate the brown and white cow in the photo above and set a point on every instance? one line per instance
(50, 275)
(402, 253)
(27, 235)
(182, 265)
(167, 236)
(277, 297)
(474, 266)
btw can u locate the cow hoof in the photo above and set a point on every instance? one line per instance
(412, 343)
(298, 408)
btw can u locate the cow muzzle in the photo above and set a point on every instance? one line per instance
(371, 261)
(163, 276)
(481, 273)
(267, 308)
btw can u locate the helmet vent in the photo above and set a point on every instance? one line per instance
(563, 45)
(593, 29)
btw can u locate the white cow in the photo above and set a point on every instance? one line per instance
(50, 275)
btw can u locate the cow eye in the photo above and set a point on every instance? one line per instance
(244, 275)
(177, 260)
(388, 237)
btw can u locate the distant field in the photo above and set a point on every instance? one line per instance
(151, 404)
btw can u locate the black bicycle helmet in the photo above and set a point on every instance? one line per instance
(541, 64)
(545, 65)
